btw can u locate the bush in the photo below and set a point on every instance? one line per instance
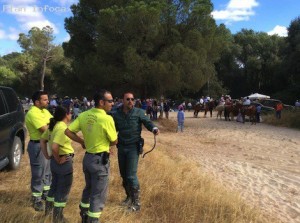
(7, 76)
(289, 118)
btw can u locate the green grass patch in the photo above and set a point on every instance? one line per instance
(289, 118)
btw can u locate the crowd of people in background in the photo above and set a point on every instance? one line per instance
(155, 108)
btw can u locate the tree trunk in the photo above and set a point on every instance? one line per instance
(43, 73)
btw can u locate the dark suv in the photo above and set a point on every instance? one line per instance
(12, 130)
(272, 103)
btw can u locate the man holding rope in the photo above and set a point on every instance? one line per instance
(128, 120)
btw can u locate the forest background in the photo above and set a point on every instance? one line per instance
(157, 48)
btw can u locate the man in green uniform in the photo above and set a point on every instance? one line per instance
(99, 134)
(129, 120)
(37, 120)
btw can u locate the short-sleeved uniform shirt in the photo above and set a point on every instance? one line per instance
(58, 136)
(35, 119)
(98, 130)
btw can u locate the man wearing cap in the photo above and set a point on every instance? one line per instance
(37, 120)
(129, 120)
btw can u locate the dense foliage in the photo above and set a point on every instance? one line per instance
(162, 47)
(152, 47)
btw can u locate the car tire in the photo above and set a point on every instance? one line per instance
(15, 154)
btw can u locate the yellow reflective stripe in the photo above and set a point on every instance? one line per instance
(50, 199)
(60, 204)
(84, 205)
(46, 188)
(94, 214)
(36, 194)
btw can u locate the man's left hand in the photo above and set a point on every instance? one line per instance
(155, 131)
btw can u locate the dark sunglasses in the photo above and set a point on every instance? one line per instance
(128, 99)
(109, 101)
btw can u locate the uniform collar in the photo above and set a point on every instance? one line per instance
(99, 110)
(35, 107)
(130, 111)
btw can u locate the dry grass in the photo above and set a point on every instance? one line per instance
(172, 190)
(289, 118)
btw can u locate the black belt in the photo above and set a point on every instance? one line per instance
(97, 154)
(34, 141)
(127, 144)
(104, 157)
(69, 154)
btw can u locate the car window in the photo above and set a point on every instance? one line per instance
(268, 103)
(2, 108)
(11, 99)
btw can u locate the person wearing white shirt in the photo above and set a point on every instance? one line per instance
(202, 100)
(53, 102)
(247, 101)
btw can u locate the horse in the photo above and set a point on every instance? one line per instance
(250, 111)
(219, 109)
(232, 110)
(209, 106)
(197, 109)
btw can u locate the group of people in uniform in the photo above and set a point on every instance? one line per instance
(51, 153)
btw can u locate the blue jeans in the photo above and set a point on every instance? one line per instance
(258, 117)
(278, 114)
(128, 158)
(154, 115)
(180, 127)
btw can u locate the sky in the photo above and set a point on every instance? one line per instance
(19, 16)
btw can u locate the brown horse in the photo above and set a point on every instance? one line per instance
(197, 109)
(230, 110)
(209, 106)
(250, 111)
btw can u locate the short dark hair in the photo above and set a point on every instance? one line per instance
(37, 95)
(99, 95)
(128, 92)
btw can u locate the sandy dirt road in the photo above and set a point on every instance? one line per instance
(261, 162)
